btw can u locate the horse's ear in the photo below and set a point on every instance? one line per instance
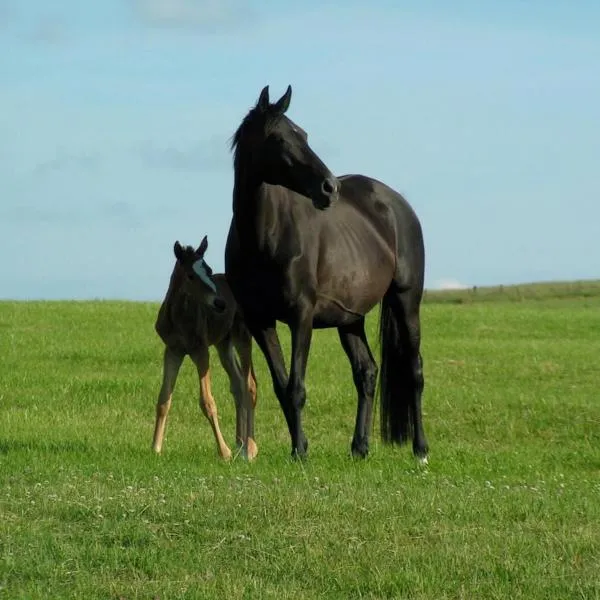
(263, 99)
(178, 250)
(281, 106)
(203, 246)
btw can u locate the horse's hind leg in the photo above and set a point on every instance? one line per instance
(207, 402)
(364, 372)
(171, 364)
(410, 328)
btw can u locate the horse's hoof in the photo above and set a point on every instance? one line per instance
(360, 449)
(298, 454)
(421, 450)
(422, 461)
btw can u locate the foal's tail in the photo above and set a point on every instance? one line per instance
(395, 381)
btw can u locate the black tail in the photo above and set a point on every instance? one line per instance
(395, 376)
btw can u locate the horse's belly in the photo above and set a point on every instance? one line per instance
(328, 314)
(349, 301)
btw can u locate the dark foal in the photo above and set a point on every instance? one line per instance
(314, 251)
(200, 311)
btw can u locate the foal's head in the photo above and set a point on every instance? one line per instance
(277, 151)
(197, 280)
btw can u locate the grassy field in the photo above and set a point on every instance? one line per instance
(508, 508)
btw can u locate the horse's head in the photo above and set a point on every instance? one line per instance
(198, 280)
(279, 153)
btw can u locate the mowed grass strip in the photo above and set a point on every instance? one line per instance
(508, 508)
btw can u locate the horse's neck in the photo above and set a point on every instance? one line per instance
(246, 194)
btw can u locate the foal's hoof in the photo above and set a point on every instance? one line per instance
(251, 450)
(225, 453)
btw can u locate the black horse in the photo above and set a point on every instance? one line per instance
(315, 251)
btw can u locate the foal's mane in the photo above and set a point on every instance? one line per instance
(188, 250)
(178, 273)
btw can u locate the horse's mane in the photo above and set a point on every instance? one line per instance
(254, 113)
(239, 132)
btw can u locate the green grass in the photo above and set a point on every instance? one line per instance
(508, 508)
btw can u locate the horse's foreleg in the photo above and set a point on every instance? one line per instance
(268, 341)
(171, 364)
(301, 331)
(207, 402)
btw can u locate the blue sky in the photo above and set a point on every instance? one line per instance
(115, 118)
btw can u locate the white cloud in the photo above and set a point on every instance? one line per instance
(449, 284)
(203, 14)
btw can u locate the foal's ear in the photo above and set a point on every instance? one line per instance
(281, 106)
(263, 99)
(202, 247)
(178, 250)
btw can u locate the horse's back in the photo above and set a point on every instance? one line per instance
(386, 207)
(372, 196)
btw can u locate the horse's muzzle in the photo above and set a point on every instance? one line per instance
(327, 193)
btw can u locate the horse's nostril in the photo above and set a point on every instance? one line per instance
(328, 186)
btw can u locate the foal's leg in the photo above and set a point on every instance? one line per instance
(364, 373)
(207, 402)
(229, 362)
(243, 344)
(252, 446)
(171, 364)
(237, 383)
